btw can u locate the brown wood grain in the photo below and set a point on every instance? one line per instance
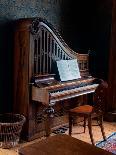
(62, 144)
(112, 62)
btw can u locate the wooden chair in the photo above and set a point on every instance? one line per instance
(90, 112)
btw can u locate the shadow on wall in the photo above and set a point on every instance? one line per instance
(87, 25)
(77, 22)
(6, 67)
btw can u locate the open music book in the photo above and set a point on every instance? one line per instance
(68, 69)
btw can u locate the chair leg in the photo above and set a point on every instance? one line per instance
(90, 129)
(84, 124)
(101, 126)
(70, 124)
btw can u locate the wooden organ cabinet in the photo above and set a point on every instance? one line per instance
(37, 45)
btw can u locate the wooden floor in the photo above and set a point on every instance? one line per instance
(77, 133)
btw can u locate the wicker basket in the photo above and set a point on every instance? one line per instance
(10, 129)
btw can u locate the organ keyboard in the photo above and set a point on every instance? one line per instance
(57, 91)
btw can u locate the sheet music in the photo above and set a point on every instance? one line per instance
(68, 69)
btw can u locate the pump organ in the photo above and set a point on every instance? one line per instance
(36, 92)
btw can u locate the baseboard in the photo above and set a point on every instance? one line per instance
(110, 116)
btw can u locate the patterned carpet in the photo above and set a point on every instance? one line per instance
(109, 144)
(77, 132)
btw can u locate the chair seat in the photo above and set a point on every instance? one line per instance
(87, 109)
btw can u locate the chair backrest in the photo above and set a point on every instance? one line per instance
(100, 97)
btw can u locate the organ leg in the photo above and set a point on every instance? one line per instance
(49, 115)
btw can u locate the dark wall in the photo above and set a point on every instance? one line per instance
(87, 25)
(77, 23)
(102, 29)
(11, 10)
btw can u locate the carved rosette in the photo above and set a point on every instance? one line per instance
(49, 111)
(35, 26)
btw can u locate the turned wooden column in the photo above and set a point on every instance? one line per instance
(112, 67)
